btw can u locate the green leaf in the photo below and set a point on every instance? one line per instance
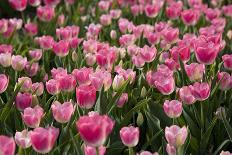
(225, 142)
(226, 124)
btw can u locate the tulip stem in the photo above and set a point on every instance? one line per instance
(131, 152)
(97, 151)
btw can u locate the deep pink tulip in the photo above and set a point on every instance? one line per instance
(34, 3)
(18, 62)
(23, 139)
(190, 16)
(5, 48)
(186, 95)
(227, 10)
(152, 10)
(224, 80)
(173, 109)
(88, 150)
(94, 128)
(212, 13)
(37, 88)
(127, 39)
(170, 34)
(7, 145)
(43, 139)
(175, 135)
(82, 75)
(4, 83)
(36, 54)
(45, 42)
(53, 87)
(195, 71)
(130, 136)
(61, 48)
(67, 83)
(32, 116)
(62, 113)
(52, 3)
(45, 13)
(86, 96)
(200, 91)
(31, 29)
(174, 10)
(18, 5)
(23, 100)
(26, 84)
(227, 59)
(122, 100)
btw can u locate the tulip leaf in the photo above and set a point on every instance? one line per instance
(224, 143)
(227, 125)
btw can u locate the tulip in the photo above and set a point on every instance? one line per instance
(94, 128)
(18, 5)
(190, 16)
(152, 10)
(170, 34)
(61, 20)
(86, 96)
(105, 20)
(118, 82)
(171, 150)
(51, 3)
(186, 95)
(126, 40)
(148, 53)
(59, 72)
(43, 139)
(195, 71)
(18, 62)
(61, 48)
(104, 5)
(113, 34)
(173, 109)
(32, 116)
(225, 153)
(82, 75)
(5, 59)
(174, 10)
(53, 87)
(34, 3)
(224, 80)
(7, 145)
(101, 78)
(88, 150)
(36, 54)
(23, 100)
(200, 91)
(122, 100)
(45, 42)
(45, 13)
(3, 25)
(227, 60)
(31, 29)
(175, 135)
(37, 88)
(116, 13)
(4, 83)
(26, 84)
(67, 83)
(22, 139)
(130, 136)
(62, 112)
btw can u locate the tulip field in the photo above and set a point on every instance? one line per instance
(116, 77)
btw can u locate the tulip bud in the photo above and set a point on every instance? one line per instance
(22, 139)
(38, 88)
(229, 34)
(140, 119)
(130, 136)
(118, 82)
(43, 139)
(7, 145)
(18, 62)
(173, 108)
(32, 116)
(61, 20)
(4, 82)
(122, 100)
(74, 56)
(86, 96)
(26, 84)
(53, 87)
(94, 128)
(23, 100)
(62, 112)
(175, 135)
(113, 34)
(143, 92)
(5, 59)
(227, 60)
(36, 54)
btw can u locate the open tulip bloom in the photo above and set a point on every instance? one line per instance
(136, 77)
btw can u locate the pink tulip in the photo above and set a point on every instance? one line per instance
(36, 54)
(86, 96)
(227, 59)
(4, 48)
(61, 48)
(200, 91)
(7, 145)
(82, 75)
(23, 100)
(105, 20)
(136, 9)
(148, 53)
(37, 88)
(88, 150)
(26, 84)
(190, 16)
(227, 10)
(152, 10)
(3, 25)
(175, 135)
(67, 83)
(62, 113)
(43, 139)
(32, 69)
(130, 136)
(122, 100)
(32, 116)
(5, 59)
(195, 71)
(94, 128)
(113, 34)
(34, 3)
(118, 82)
(173, 109)
(45, 13)
(224, 80)
(18, 62)
(104, 5)
(101, 78)
(193, 3)
(52, 3)
(31, 29)
(61, 20)
(186, 95)
(116, 13)
(22, 139)
(126, 40)
(18, 5)
(69, 2)
(53, 87)
(45, 42)
(170, 34)
(171, 150)
(4, 83)
(225, 153)
(174, 10)
(124, 25)
(58, 73)
(212, 13)
(147, 153)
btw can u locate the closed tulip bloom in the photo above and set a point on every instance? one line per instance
(32, 116)
(45, 13)
(31, 69)
(62, 112)
(116, 13)
(53, 87)
(113, 34)
(23, 100)
(26, 84)
(5, 59)
(190, 16)
(37, 88)
(104, 5)
(227, 59)
(175, 135)
(105, 20)
(34, 3)
(45, 42)
(148, 53)
(101, 78)
(61, 20)
(86, 96)
(61, 48)
(4, 83)
(171, 150)
(130, 136)
(195, 71)
(224, 80)
(88, 150)
(43, 139)
(7, 145)
(36, 54)
(31, 29)
(166, 85)
(173, 109)
(94, 128)
(18, 62)
(3, 25)
(18, 5)
(186, 95)
(51, 3)
(174, 10)
(118, 82)
(82, 75)
(200, 91)
(152, 10)
(67, 83)
(23, 139)
(170, 35)
(122, 100)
